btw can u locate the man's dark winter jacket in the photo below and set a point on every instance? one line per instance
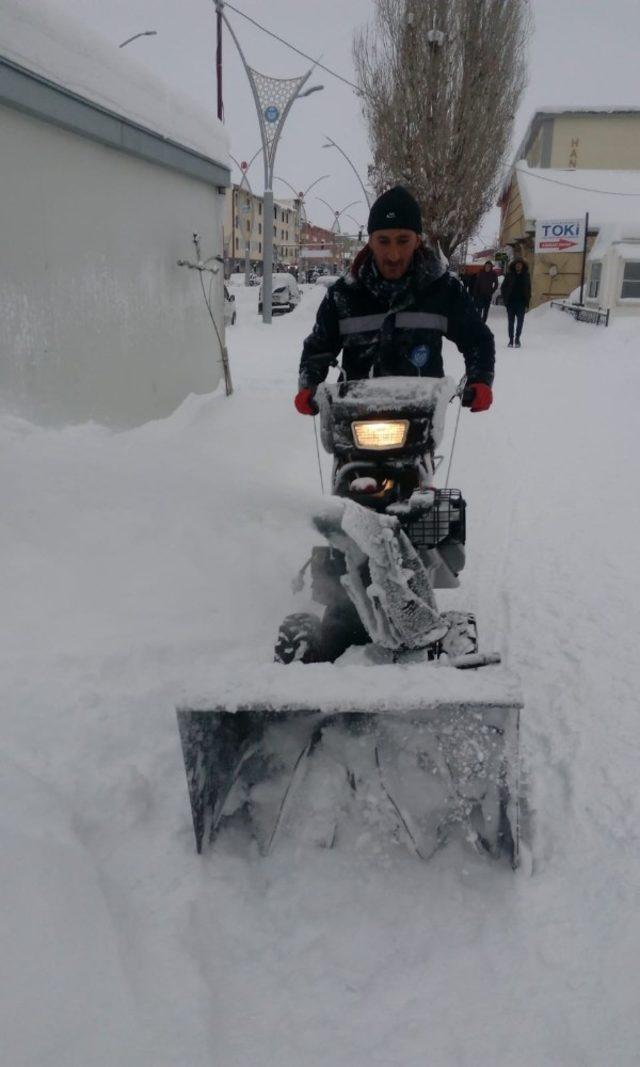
(485, 285)
(396, 328)
(516, 288)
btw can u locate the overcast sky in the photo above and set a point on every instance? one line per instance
(581, 54)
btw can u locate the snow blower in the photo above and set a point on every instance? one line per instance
(400, 730)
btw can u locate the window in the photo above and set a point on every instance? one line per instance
(259, 227)
(237, 242)
(237, 223)
(631, 281)
(594, 280)
(259, 246)
(259, 207)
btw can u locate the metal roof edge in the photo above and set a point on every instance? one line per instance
(22, 89)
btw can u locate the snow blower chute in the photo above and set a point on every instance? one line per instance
(401, 730)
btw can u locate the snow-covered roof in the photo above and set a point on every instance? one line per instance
(610, 196)
(626, 237)
(55, 46)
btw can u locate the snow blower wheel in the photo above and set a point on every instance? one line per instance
(299, 639)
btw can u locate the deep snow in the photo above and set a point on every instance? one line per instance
(135, 564)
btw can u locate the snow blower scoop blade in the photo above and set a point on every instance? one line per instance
(320, 753)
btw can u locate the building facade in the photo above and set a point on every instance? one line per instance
(244, 226)
(588, 138)
(326, 249)
(570, 163)
(104, 182)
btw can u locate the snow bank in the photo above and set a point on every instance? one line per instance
(62, 984)
(136, 565)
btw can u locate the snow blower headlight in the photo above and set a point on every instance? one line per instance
(380, 435)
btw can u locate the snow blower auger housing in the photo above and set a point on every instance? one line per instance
(395, 734)
(377, 752)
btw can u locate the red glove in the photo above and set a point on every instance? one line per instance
(305, 403)
(477, 396)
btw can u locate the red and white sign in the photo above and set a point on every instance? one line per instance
(559, 235)
(559, 246)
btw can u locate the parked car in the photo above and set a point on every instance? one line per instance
(285, 293)
(327, 279)
(230, 313)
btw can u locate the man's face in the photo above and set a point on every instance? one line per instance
(392, 251)
(518, 268)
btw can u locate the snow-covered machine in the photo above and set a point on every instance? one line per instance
(381, 719)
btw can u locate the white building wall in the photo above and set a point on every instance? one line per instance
(97, 320)
(616, 244)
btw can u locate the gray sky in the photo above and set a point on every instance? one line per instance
(580, 59)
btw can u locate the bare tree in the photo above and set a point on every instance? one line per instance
(441, 81)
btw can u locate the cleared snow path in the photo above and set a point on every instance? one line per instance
(133, 561)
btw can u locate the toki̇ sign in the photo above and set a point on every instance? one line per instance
(559, 235)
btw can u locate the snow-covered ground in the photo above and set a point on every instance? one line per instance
(133, 563)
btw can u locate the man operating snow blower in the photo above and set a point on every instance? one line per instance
(378, 729)
(389, 315)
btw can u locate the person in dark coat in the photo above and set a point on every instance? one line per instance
(486, 283)
(389, 314)
(516, 296)
(468, 280)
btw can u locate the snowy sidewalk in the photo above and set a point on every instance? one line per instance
(133, 562)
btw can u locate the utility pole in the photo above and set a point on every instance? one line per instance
(219, 62)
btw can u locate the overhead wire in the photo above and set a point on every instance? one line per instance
(270, 33)
(352, 85)
(570, 185)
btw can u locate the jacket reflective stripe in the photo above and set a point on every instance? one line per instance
(361, 323)
(404, 320)
(416, 320)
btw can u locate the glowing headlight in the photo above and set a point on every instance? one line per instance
(378, 436)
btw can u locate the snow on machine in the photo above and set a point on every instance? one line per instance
(381, 720)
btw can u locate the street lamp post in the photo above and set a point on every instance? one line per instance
(143, 33)
(335, 227)
(302, 214)
(273, 98)
(359, 226)
(301, 196)
(332, 144)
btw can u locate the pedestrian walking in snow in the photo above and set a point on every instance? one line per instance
(485, 286)
(468, 280)
(389, 314)
(516, 296)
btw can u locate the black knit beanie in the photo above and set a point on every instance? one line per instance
(395, 210)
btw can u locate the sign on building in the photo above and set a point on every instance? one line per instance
(559, 235)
